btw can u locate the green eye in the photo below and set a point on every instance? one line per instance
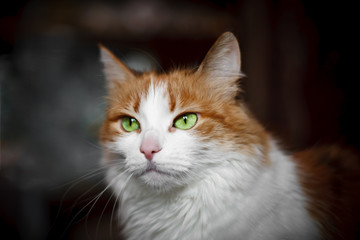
(129, 124)
(185, 121)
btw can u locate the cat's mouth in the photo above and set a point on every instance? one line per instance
(152, 168)
(158, 177)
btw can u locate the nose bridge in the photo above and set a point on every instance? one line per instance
(154, 126)
(154, 134)
(150, 133)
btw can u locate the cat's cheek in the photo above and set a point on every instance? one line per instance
(125, 145)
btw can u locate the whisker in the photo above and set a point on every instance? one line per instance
(84, 207)
(78, 213)
(73, 184)
(112, 213)
(96, 200)
(88, 175)
(102, 213)
(130, 175)
(86, 192)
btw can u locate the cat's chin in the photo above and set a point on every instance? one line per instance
(159, 180)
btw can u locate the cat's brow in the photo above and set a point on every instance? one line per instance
(136, 104)
(172, 99)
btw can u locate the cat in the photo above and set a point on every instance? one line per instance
(187, 160)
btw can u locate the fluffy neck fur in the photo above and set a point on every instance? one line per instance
(234, 200)
(224, 178)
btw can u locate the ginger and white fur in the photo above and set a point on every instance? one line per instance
(225, 178)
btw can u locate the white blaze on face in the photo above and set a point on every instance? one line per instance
(155, 119)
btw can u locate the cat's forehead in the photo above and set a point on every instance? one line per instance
(172, 93)
(167, 91)
(155, 98)
(154, 106)
(150, 93)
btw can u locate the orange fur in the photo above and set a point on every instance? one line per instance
(330, 178)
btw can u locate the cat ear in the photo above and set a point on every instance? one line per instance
(114, 69)
(222, 64)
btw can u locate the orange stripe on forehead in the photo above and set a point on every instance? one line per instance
(172, 99)
(136, 103)
(125, 98)
(181, 90)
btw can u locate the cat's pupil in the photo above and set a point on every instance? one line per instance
(185, 118)
(132, 120)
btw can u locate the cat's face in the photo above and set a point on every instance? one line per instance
(166, 130)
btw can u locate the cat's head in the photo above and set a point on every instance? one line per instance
(166, 130)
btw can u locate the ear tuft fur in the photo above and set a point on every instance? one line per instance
(114, 69)
(222, 65)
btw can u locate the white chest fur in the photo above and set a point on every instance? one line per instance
(233, 201)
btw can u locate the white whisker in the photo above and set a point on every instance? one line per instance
(112, 213)
(102, 213)
(94, 201)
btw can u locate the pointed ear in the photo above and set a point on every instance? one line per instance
(114, 69)
(222, 64)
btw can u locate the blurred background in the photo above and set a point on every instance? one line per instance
(300, 58)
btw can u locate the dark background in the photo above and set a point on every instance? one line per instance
(300, 58)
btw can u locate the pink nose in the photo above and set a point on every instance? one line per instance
(149, 146)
